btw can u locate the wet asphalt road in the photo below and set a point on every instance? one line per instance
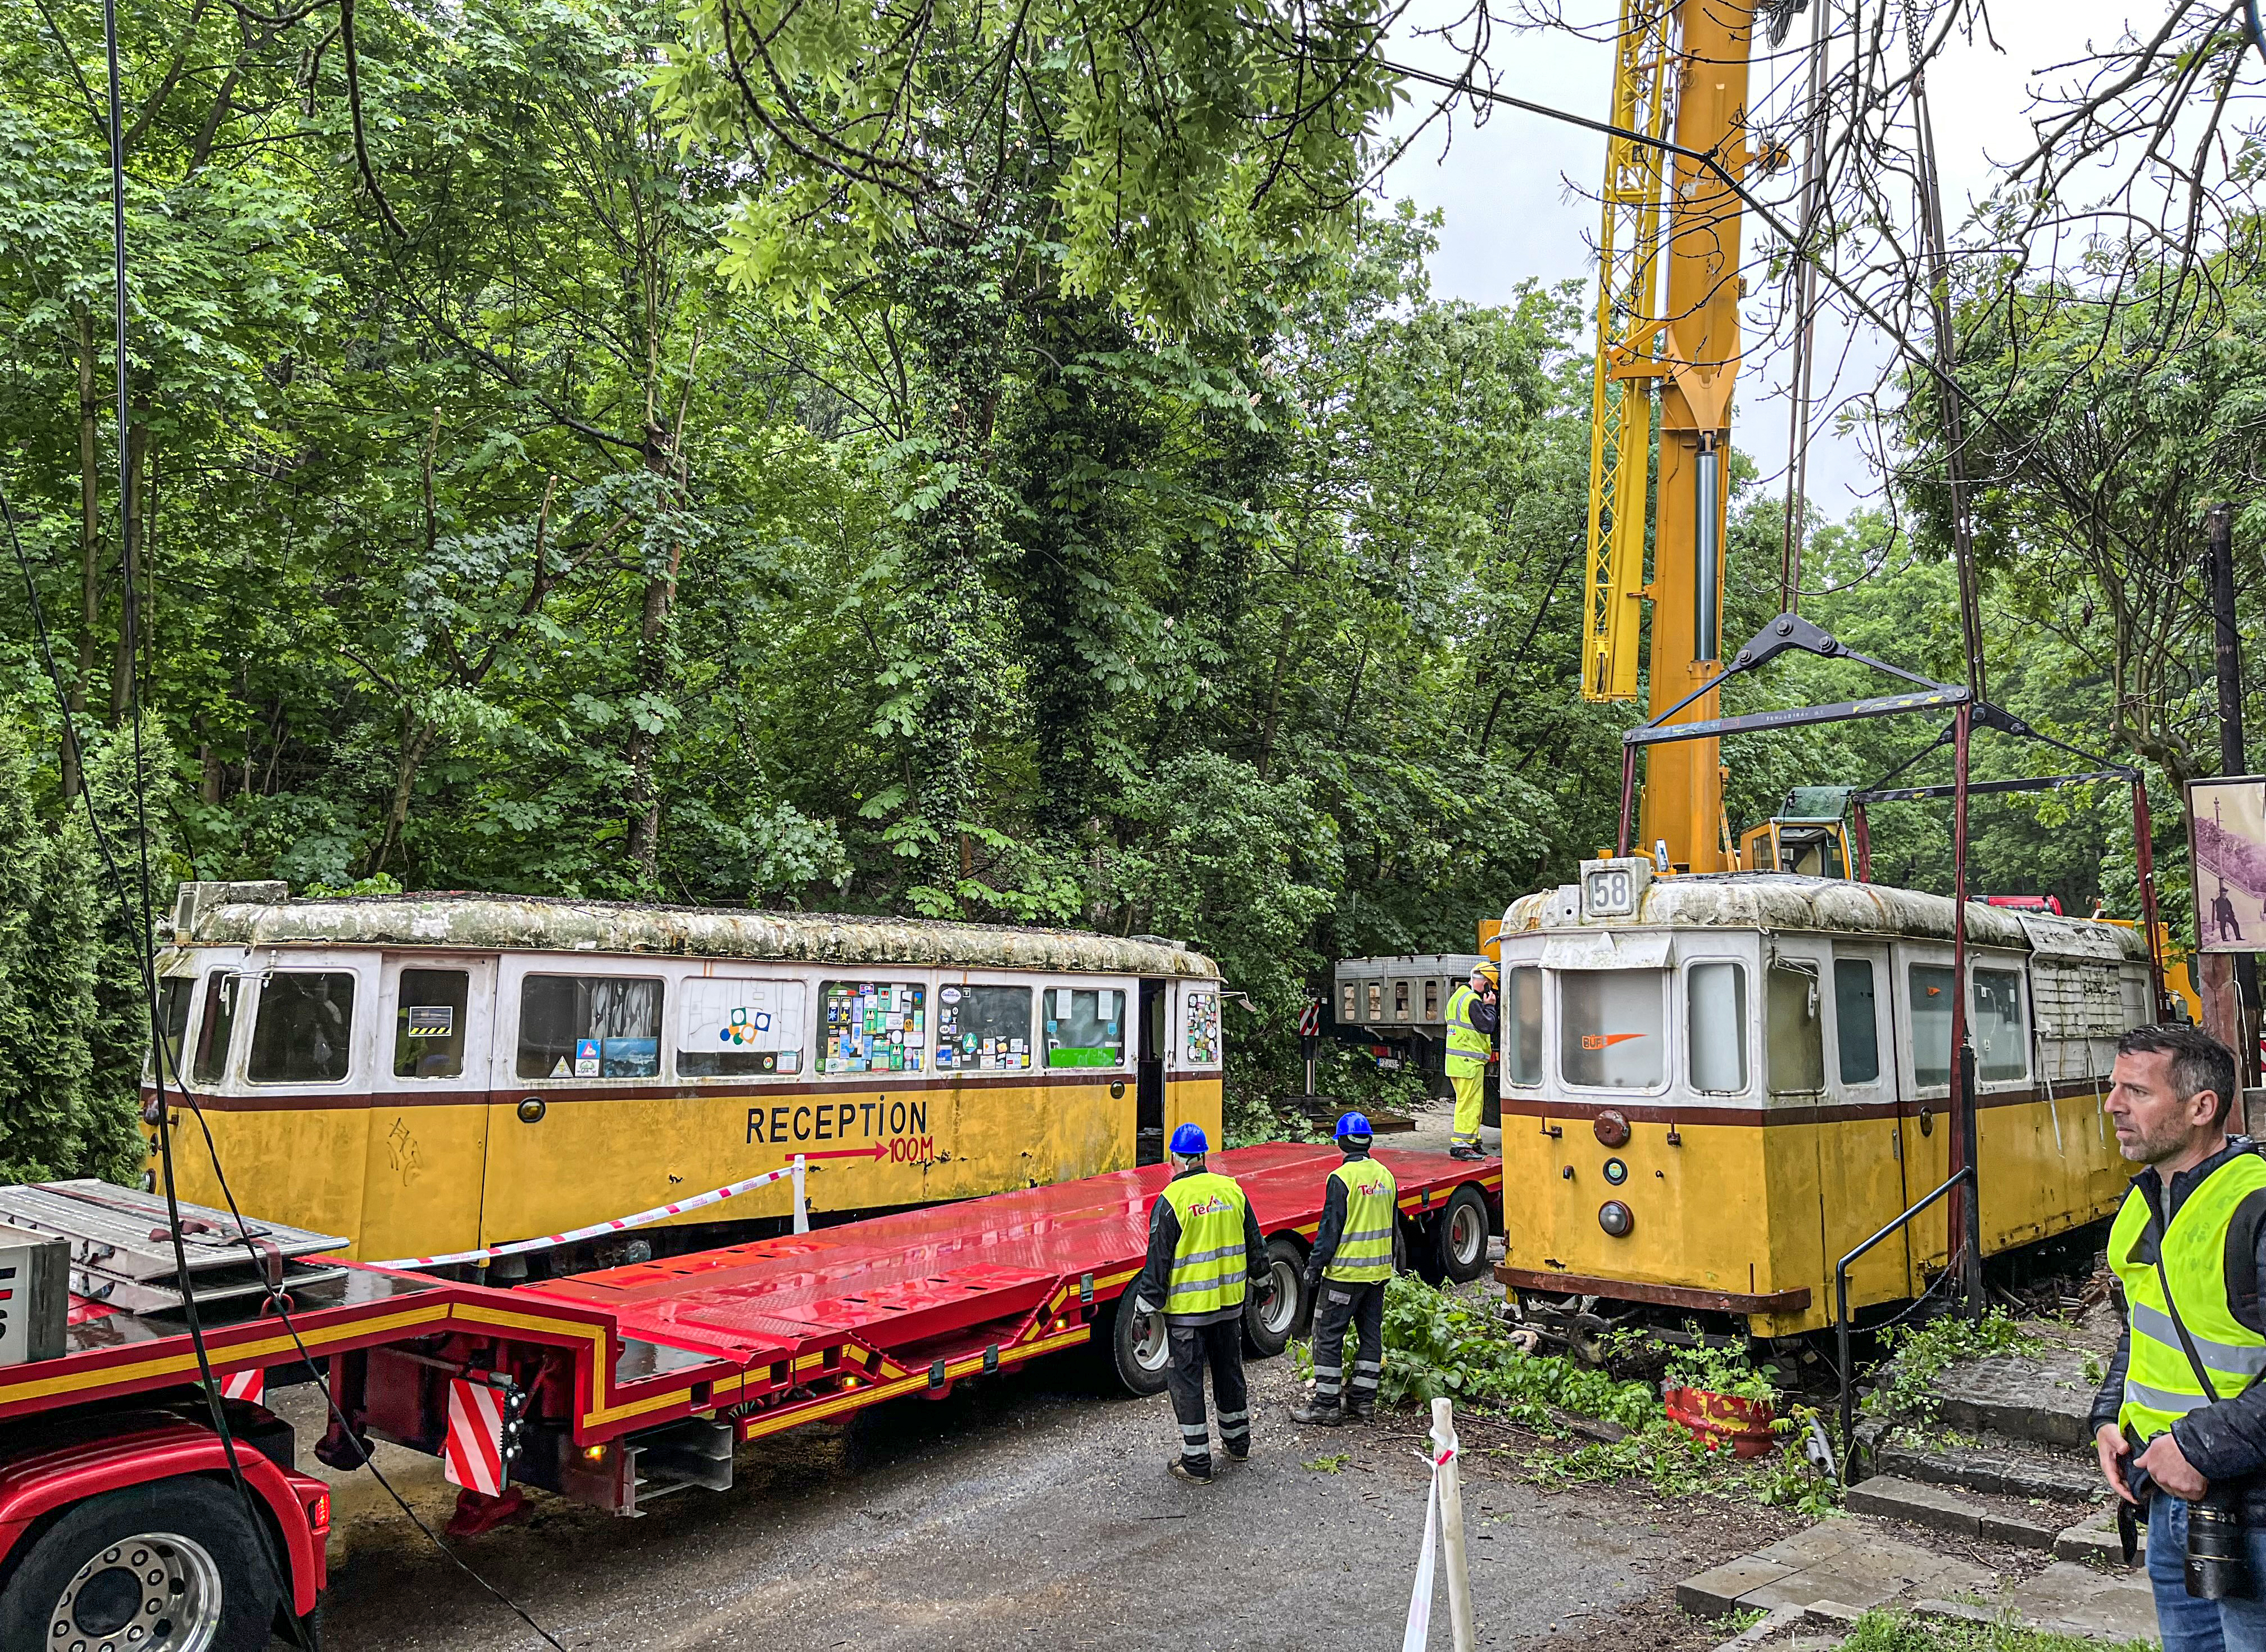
(1019, 1513)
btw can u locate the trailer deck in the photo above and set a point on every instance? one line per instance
(761, 1336)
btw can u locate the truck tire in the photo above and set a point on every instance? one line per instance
(1271, 1322)
(1137, 1350)
(1459, 1236)
(177, 1559)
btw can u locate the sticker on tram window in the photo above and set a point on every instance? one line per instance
(432, 1020)
(873, 1027)
(586, 1058)
(1201, 1012)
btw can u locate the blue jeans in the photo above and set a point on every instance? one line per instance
(2189, 1625)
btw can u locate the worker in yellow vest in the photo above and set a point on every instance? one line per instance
(2179, 1423)
(1346, 1272)
(1471, 1040)
(1205, 1256)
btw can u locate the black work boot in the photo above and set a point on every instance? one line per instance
(1317, 1412)
(1195, 1471)
(1361, 1410)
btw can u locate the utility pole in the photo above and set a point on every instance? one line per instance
(2230, 981)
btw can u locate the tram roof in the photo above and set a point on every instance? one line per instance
(263, 915)
(1785, 900)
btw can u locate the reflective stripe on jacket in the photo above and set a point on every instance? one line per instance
(1467, 1046)
(1365, 1251)
(2159, 1382)
(1211, 1264)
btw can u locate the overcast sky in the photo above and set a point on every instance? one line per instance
(1512, 214)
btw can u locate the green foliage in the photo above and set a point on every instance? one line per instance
(1333, 1464)
(1886, 1630)
(1921, 1353)
(1719, 1371)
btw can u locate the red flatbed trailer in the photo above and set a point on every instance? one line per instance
(641, 1379)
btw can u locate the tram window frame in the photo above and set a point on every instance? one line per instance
(177, 997)
(1743, 1017)
(1521, 1038)
(216, 1019)
(1843, 970)
(1086, 1021)
(450, 1045)
(572, 1055)
(259, 1048)
(1926, 1077)
(769, 1043)
(1804, 1058)
(977, 1060)
(1985, 1072)
(1570, 1052)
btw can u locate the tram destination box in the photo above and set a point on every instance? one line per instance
(35, 1303)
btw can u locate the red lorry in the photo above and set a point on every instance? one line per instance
(122, 1529)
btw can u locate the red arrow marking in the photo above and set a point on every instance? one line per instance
(878, 1150)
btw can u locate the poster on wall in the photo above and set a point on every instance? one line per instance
(2227, 840)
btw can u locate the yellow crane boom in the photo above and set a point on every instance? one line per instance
(1621, 415)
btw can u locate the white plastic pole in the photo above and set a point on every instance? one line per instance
(1444, 1447)
(801, 1206)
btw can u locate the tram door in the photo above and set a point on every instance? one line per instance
(428, 1110)
(1921, 994)
(1862, 1142)
(1149, 1077)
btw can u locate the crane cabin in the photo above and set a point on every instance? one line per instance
(1715, 1087)
(430, 1074)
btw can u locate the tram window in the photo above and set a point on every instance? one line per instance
(1401, 1000)
(985, 1029)
(428, 1023)
(1377, 1000)
(589, 1026)
(1200, 1028)
(2001, 1049)
(1856, 1021)
(1350, 999)
(1431, 1001)
(1084, 1026)
(728, 1027)
(1794, 1030)
(1522, 1033)
(1931, 1024)
(1716, 994)
(303, 1031)
(1610, 1027)
(174, 993)
(209, 1062)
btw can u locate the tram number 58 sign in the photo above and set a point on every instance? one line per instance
(1611, 889)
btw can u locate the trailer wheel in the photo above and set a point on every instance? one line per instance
(1137, 1349)
(123, 1573)
(1458, 1235)
(1272, 1317)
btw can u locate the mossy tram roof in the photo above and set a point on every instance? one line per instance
(249, 915)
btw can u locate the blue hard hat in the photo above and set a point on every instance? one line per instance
(1353, 1124)
(1188, 1140)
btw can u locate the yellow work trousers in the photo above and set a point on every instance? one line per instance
(1470, 1097)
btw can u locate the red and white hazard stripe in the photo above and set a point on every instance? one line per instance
(245, 1385)
(598, 1229)
(472, 1455)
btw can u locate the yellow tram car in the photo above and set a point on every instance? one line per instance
(1715, 1086)
(429, 1074)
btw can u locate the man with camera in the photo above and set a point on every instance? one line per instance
(2179, 1423)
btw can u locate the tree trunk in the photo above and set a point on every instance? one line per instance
(654, 673)
(417, 737)
(129, 602)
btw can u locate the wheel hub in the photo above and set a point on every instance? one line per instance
(1466, 1235)
(156, 1592)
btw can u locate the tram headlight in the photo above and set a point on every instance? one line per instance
(1616, 1218)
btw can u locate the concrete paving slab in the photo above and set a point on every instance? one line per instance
(1936, 1507)
(2096, 1540)
(2028, 1534)
(2075, 1599)
(1871, 1568)
(2045, 1397)
(1721, 1589)
(1814, 1543)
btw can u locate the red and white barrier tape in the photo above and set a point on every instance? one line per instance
(599, 1230)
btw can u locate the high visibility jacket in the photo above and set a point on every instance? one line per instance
(1365, 1251)
(2159, 1382)
(1467, 1046)
(1211, 1262)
